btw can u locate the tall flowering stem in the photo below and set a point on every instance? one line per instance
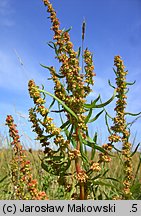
(120, 131)
(73, 94)
(25, 187)
(72, 85)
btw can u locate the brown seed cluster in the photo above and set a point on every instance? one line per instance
(82, 177)
(95, 167)
(25, 187)
(75, 92)
(120, 130)
(45, 126)
(119, 121)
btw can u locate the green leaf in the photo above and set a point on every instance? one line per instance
(89, 142)
(89, 106)
(131, 83)
(105, 184)
(132, 114)
(65, 124)
(55, 165)
(116, 149)
(105, 172)
(107, 102)
(111, 84)
(61, 102)
(52, 104)
(1, 180)
(93, 151)
(67, 30)
(53, 46)
(79, 52)
(49, 68)
(88, 116)
(135, 150)
(101, 149)
(107, 124)
(93, 104)
(137, 171)
(95, 137)
(58, 111)
(70, 133)
(96, 117)
(49, 44)
(115, 71)
(113, 179)
(96, 177)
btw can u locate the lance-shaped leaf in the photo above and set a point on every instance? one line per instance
(131, 83)
(131, 123)
(52, 103)
(1, 180)
(104, 183)
(84, 157)
(66, 131)
(89, 142)
(61, 102)
(136, 173)
(132, 114)
(113, 179)
(115, 71)
(53, 46)
(90, 106)
(65, 124)
(107, 102)
(58, 111)
(79, 52)
(95, 137)
(107, 124)
(70, 133)
(88, 116)
(111, 84)
(49, 68)
(113, 146)
(135, 150)
(67, 29)
(96, 117)
(96, 177)
(56, 165)
(93, 105)
(105, 172)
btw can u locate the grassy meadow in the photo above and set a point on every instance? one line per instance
(49, 183)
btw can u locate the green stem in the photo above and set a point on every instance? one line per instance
(78, 167)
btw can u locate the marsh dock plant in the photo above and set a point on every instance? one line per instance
(71, 87)
(80, 165)
(24, 186)
(120, 129)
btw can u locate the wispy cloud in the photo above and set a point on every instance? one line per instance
(15, 76)
(5, 14)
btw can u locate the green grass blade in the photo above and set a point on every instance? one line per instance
(3, 178)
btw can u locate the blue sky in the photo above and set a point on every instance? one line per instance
(112, 28)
